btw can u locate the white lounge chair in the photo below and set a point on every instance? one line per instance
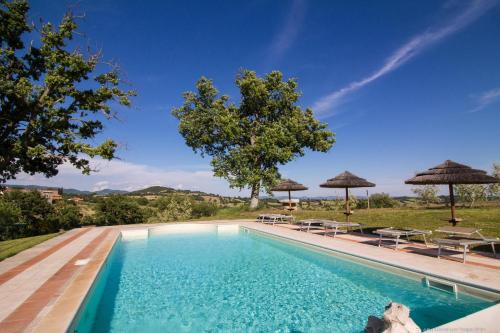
(307, 224)
(398, 233)
(465, 238)
(338, 225)
(275, 218)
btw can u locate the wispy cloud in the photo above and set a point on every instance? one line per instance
(485, 99)
(289, 30)
(326, 105)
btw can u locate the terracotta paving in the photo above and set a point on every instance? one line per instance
(22, 317)
(6, 276)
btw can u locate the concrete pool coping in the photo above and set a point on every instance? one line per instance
(57, 315)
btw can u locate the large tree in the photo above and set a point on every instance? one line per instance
(53, 96)
(248, 141)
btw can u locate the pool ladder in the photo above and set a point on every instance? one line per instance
(441, 285)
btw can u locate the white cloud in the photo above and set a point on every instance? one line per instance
(486, 98)
(288, 32)
(102, 185)
(326, 105)
(122, 175)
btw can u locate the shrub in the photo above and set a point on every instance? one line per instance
(118, 210)
(172, 208)
(142, 201)
(427, 194)
(382, 200)
(10, 216)
(67, 214)
(35, 212)
(201, 209)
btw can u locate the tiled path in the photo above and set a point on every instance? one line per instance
(20, 319)
(27, 264)
(29, 287)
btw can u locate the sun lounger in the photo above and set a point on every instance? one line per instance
(275, 218)
(465, 238)
(463, 243)
(307, 224)
(337, 225)
(398, 233)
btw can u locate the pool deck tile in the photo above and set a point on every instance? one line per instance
(66, 307)
(18, 289)
(6, 276)
(24, 314)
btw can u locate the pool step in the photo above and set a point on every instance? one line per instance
(185, 228)
(228, 229)
(442, 285)
(135, 234)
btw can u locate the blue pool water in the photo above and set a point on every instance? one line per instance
(250, 283)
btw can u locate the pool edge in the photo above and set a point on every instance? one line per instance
(65, 309)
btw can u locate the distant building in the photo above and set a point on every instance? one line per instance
(50, 194)
(76, 200)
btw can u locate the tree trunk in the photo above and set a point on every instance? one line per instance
(254, 198)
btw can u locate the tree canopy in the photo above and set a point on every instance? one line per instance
(247, 142)
(53, 97)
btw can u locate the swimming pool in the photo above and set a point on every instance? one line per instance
(245, 282)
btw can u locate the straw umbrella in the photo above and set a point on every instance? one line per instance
(289, 185)
(347, 180)
(451, 173)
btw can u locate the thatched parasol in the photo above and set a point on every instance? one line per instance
(347, 180)
(289, 185)
(450, 173)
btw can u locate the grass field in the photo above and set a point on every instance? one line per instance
(11, 247)
(486, 218)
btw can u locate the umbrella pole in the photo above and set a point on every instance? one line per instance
(452, 204)
(347, 210)
(289, 202)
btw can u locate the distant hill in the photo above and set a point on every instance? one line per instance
(74, 191)
(108, 191)
(33, 187)
(154, 190)
(70, 191)
(164, 190)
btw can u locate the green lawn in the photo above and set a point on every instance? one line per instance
(485, 218)
(11, 247)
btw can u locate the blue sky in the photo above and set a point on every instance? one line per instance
(403, 84)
